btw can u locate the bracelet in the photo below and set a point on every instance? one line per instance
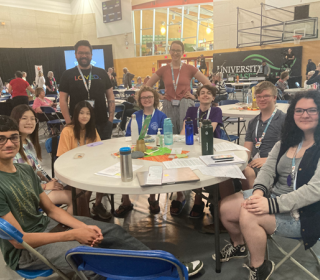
(45, 186)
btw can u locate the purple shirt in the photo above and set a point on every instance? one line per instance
(215, 116)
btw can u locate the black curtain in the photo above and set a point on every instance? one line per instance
(51, 59)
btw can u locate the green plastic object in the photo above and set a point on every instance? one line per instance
(145, 127)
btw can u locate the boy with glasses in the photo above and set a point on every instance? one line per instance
(20, 198)
(263, 132)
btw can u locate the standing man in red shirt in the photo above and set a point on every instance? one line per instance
(18, 89)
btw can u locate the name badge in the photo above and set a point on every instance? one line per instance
(175, 102)
(91, 102)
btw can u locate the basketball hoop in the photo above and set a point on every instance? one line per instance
(296, 39)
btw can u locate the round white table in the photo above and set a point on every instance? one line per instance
(295, 90)
(50, 98)
(240, 84)
(80, 173)
(229, 111)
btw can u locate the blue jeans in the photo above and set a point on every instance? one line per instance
(286, 225)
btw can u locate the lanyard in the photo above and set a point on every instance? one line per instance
(175, 83)
(84, 80)
(37, 165)
(198, 112)
(293, 168)
(143, 117)
(258, 143)
(85, 142)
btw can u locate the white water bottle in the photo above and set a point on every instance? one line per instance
(134, 129)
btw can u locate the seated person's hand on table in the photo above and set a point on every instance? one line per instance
(54, 185)
(256, 204)
(257, 163)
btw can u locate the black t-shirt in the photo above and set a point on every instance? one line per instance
(203, 62)
(72, 84)
(291, 55)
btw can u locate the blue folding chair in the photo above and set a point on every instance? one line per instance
(126, 264)
(51, 145)
(282, 101)
(162, 91)
(297, 84)
(225, 136)
(229, 121)
(231, 91)
(31, 102)
(117, 94)
(9, 232)
(197, 103)
(121, 87)
(50, 111)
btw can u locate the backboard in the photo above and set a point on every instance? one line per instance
(308, 28)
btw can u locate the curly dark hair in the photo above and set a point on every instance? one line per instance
(292, 135)
(211, 89)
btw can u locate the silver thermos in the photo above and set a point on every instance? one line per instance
(126, 164)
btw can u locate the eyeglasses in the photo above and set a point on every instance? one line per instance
(146, 97)
(176, 51)
(310, 111)
(263, 97)
(14, 139)
(84, 53)
(29, 119)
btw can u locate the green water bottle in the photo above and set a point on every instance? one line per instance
(206, 138)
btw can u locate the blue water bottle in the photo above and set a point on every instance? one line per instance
(168, 131)
(189, 131)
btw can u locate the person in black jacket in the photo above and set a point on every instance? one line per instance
(315, 78)
(285, 199)
(310, 66)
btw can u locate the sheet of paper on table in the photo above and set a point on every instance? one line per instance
(210, 162)
(176, 151)
(228, 146)
(193, 163)
(226, 171)
(114, 170)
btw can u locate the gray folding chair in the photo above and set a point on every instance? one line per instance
(288, 255)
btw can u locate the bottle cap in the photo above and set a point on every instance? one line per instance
(125, 151)
(204, 122)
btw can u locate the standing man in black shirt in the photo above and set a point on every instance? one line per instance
(86, 82)
(203, 64)
(289, 58)
(310, 67)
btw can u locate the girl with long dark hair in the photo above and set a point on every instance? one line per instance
(285, 199)
(79, 132)
(30, 153)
